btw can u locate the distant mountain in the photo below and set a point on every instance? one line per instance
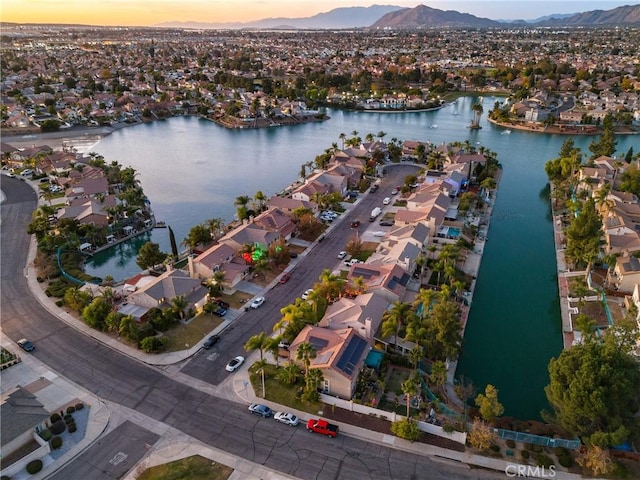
(427, 17)
(627, 15)
(349, 17)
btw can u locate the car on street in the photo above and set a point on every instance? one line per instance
(26, 172)
(306, 293)
(342, 254)
(11, 175)
(285, 278)
(26, 345)
(257, 302)
(261, 410)
(234, 364)
(287, 418)
(355, 224)
(394, 191)
(210, 342)
(373, 188)
(220, 312)
(386, 201)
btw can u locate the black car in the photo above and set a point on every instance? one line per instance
(211, 341)
(220, 311)
(26, 345)
(373, 188)
(293, 255)
(355, 224)
(386, 223)
(221, 303)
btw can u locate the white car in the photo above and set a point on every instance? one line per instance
(386, 201)
(352, 262)
(287, 418)
(342, 254)
(257, 302)
(306, 293)
(234, 364)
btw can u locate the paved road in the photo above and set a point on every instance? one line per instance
(214, 421)
(208, 365)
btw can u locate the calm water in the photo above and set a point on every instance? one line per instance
(192, 170)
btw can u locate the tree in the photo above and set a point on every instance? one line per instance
(584, 235)
(76, 299)
(179, 304)
(289, 373)
(312, 380)
(488, 403)
(438, 375)
(198, 235)
(306, 352)
(406, 429)
(174, 245)
(593, 391)
(241, 203)
(410, 389)
(394, 319)
(129, 329)
(150, 255)
(415, 355)
(95, 314)
(258, 342)
(595, 459)
(606, 144)
(260, 366)
(481, 435)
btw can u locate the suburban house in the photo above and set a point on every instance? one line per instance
(388, 281)
(340, 355)
(289, 205)
(21, 414)
(221, 256)
(160, 292)
(621, 225)
(363, 314)
(276, 220)
(88, 187)
(250, 234)
(626, 274)
(88, 211)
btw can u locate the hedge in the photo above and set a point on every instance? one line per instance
(34, 466)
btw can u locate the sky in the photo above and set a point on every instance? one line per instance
(153, 12)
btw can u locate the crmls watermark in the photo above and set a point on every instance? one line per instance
(514, 470)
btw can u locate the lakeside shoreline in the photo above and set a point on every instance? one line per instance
(560, 129)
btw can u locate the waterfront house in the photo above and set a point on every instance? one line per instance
(340, 355)
(21, 414)
(87, 211)
(276, 220)
(626, 274)
(363, 314)
(163, 289)
(88, 188)
(290, 205)
(221, 256)
(250, 234)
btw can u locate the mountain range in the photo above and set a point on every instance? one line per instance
(394, 17)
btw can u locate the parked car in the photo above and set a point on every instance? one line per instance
(26, 172)
(261, 410)
(234, 364)
(221, 303)
(386, 201)
(285, 278)
(220, 312)
(287, 418)
(26, 345)
(323, 427)
(355, 224)
(210, 342)
(257, 302)
(342, 254)
(395, 191)
(306, 293)
(373, 188)
(293, 255)
(284, 344)
(351, 262)
(386, 223)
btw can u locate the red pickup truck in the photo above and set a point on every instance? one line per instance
(323, 427)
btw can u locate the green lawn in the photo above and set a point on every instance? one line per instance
(183, 337)
(280, 393)
(190, 468)
(396, 377)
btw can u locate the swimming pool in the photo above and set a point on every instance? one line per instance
(454, 232)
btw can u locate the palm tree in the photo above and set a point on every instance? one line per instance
(260, 366)
(477, 113)
(241, 203)
(306, 352)
(216, 225)
(415, 355)
(342, 136)
(179, 304)
(289, 373)
(258, 342)
(438, 375)
(394, 319)
(261, 199)
(410, 389)
(381, 135)
(332, 286)
(369, 137)
(313, 379)
(274, 349)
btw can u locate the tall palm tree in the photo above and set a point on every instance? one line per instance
(332, 286)
(305, 353)
(241, 203)
(289, 373)
(415, 355)
(438, 375)
(342, 137)
(313, 379)
(410, 389)
(260, 198)
(258, 342)
(260, 366)
(381, 135)
(394, 319)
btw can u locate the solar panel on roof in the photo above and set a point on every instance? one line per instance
(351, 355)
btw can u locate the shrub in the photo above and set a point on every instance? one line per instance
(71, 409)
(34, 466)
(525, 454)
(72, 427)
(69, 419)
(56, 442)
(58, 427)
(560, 451)
(79, 406)
(565, 460)
(54, 417)
(494, 448)
(45, 434)
(537, 448)
(511, 444)
(4, 477)
(448, 428)
(543, 460)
